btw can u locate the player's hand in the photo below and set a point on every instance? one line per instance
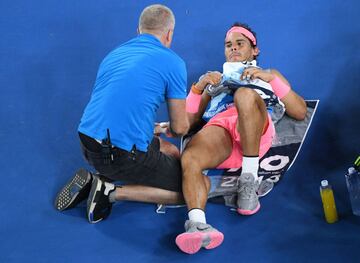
(211, 77)
(252, 73)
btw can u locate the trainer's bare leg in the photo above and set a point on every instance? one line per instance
(148, 194)
(207, 149)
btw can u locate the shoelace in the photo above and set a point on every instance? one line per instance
(246, 190)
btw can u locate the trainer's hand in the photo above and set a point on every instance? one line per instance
(211, 77)
(252, 73)
(162, 128)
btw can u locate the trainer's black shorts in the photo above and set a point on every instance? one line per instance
(151, 168)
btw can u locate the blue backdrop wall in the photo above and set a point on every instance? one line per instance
(50, 51)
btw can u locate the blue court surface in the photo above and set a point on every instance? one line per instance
(49, 55)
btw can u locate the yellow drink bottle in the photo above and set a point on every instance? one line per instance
(327, 198)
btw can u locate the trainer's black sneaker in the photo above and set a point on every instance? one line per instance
(75, 191)
(98, 204)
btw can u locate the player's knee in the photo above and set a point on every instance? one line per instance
(245, 97)
(189, 160)
(247, 100)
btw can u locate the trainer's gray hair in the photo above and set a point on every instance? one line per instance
(156, 19)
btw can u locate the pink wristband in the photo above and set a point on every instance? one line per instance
(279, 87)
(193, 102)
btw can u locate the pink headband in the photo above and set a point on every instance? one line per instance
(243, 31)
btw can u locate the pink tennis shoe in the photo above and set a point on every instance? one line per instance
(198, 235)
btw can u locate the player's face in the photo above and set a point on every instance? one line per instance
(238, 48)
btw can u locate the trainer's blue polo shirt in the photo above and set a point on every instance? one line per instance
(131, 83)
